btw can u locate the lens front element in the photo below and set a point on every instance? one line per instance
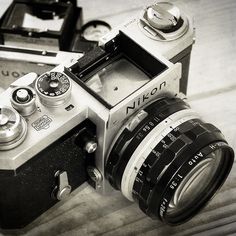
(198, 183)
(192, 185)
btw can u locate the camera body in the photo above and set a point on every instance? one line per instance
(57, 130)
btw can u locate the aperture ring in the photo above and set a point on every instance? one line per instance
(129, 140)
(147, 147)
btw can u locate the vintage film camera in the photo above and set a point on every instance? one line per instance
(114, 118)
(37, 35)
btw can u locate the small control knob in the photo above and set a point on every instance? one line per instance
(96, 176)
(23, 100)
(86, 140)
(13, 128)
(53, 88)
(163, 16)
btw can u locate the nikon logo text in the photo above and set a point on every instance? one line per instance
(144, 98)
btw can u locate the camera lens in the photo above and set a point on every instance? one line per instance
(170, 162)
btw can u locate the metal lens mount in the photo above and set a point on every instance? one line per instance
(13, 128)
(53, 88)
(163, 21)
(162, 160)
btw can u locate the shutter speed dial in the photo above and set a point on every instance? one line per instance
(13, 128)
(53, 88)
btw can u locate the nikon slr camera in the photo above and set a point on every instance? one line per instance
(117, 119)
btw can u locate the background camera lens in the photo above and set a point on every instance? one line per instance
(171, 163)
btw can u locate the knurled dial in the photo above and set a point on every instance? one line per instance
(53, 88)
(13, 128)
(163, 16)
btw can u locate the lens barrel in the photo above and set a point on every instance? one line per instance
(149, 162)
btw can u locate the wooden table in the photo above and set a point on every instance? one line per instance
(211, 91)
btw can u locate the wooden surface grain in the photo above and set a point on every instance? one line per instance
(211, 91)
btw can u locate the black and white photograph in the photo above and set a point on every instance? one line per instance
(117, 118)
